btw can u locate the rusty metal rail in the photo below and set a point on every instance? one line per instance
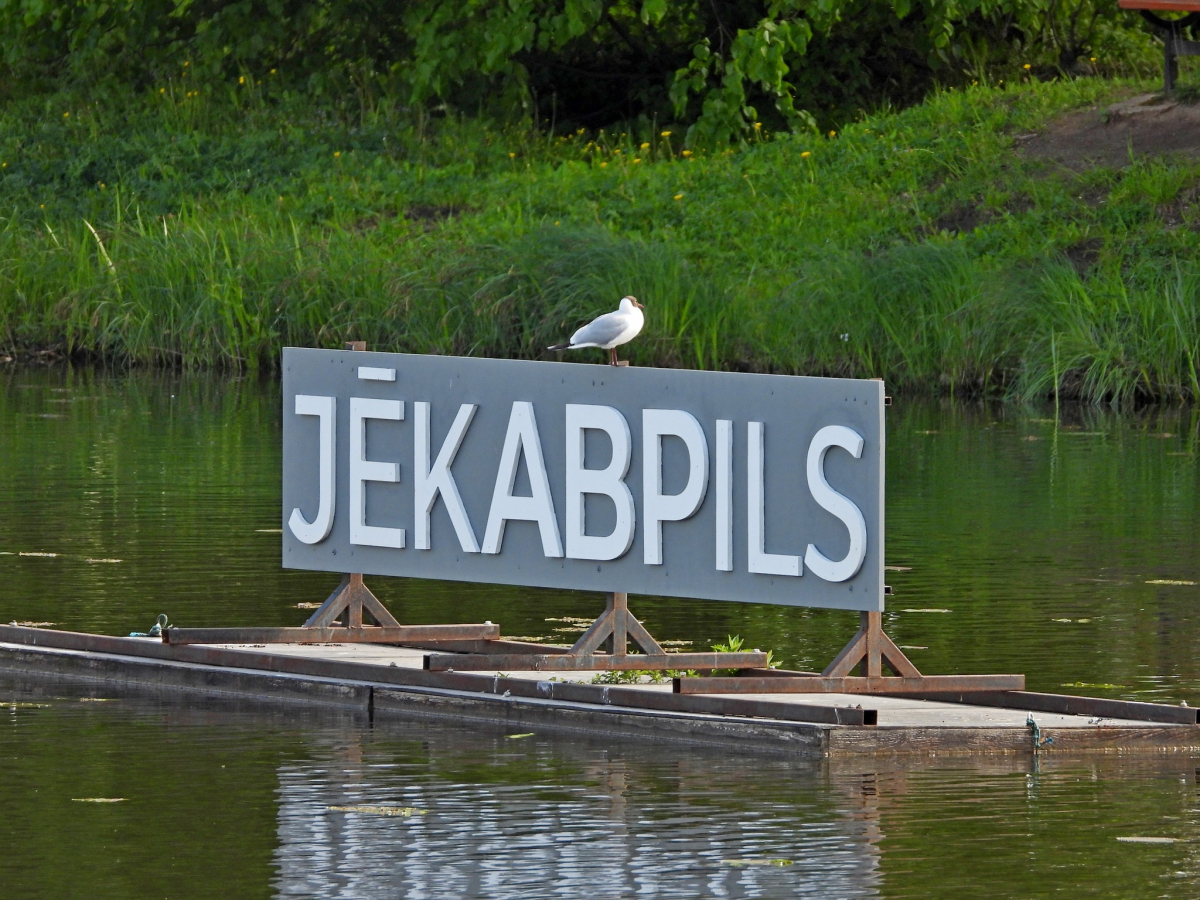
(570, 662)
(880, 684)
(366, 634)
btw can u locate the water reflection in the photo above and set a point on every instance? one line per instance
(595, 821)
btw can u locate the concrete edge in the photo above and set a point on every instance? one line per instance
(167, 679)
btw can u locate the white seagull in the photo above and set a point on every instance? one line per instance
(609, 331)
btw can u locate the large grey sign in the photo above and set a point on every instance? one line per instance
(715, 485)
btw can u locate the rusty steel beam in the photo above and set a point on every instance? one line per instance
(399, 676)
(366, 634)
(499, 645)
(570, 662)
(1070, 705)
(848, 684)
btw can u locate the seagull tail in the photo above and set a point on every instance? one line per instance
(566, 346)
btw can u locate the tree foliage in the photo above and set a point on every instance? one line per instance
(718, 65)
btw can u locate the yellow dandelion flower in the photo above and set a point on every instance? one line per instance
(337, 153)
(1027, 67)
(665, 134)
(679, 196)
(103, 185)
(758, 126)
(241, 79)
(272, 71)
(556, 223)
(162, 90)
(66, 115)
(186, 63)
(3, 165)
(512, 156)
(806, 154)
(1093, 59)
(43, 206)
(604, 165)
(686, 153)
(833, 134)
(636, 160)
(645, 147)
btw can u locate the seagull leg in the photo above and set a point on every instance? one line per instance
(612, 356)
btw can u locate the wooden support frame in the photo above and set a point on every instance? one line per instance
(871, 647)
(612, 631)
(341, 619)
(868, 650)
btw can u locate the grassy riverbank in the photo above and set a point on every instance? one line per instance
(924, 246)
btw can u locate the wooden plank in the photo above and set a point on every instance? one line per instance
(367, 634)
(636, 698)
(570, 662)
(848, 684)
(1067, 704)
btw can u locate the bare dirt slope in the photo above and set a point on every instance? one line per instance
(1145, 125)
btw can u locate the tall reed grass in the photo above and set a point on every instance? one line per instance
(844, 255)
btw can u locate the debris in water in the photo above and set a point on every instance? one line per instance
(1137, 839)
(575, 620)
(403, 811)
(925, 610)
(97, 799)
(912, 647)
(268, 531)
(1088, 684)
(897, 568)
(20, 704)
(105, 560)
(156, 629)
(32, 624)
(524, 734)
(97, 699)
(1155, 581)
(757, 862)
(308, 605)
(37, 553)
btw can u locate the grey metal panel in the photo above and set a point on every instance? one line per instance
(792, 408)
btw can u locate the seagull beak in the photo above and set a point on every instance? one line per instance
(637, 304)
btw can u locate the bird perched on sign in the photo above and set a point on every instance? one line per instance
(609, 331)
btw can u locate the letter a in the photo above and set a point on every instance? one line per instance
(522, 437)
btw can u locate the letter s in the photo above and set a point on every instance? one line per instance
(838, 504)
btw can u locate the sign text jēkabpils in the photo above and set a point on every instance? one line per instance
(714, 485)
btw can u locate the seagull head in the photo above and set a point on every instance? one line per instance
(628, 303)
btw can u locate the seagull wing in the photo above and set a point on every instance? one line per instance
(602, 331)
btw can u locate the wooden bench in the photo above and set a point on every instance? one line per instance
(1171, 30)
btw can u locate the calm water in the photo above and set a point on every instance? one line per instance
(1062, 548)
